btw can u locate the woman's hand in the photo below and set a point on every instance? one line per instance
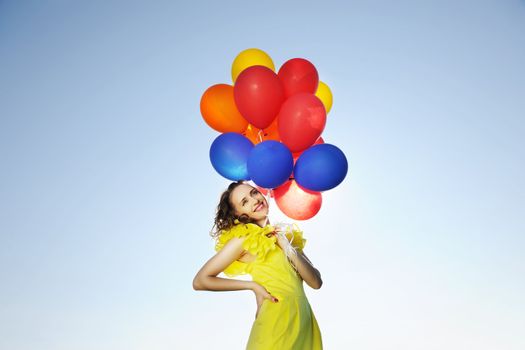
(260, 294)
(282, 241)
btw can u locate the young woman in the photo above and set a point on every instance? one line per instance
(246, 243)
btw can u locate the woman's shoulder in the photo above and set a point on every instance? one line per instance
(255, 237)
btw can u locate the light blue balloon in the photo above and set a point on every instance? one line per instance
(321, 167)
(270, 164)
(229, 155)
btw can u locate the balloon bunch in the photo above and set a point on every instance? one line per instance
(271, 126)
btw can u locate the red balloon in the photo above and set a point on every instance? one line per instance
(297, 154)
(296, 202)
(258, 94)
(301, 121)
(298, 75)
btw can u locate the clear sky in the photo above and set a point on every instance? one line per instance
(107, 193)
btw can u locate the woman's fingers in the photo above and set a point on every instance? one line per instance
(272, 298)
(269, 296)
(261, 293)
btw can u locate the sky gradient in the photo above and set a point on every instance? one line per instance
(107, 194)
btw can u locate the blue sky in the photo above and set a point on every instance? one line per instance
(107, 193)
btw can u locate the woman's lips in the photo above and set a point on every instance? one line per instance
(259, 207)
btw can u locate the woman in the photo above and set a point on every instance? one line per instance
(246, 243)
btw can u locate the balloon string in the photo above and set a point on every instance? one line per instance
(290, 250)
(259, 135)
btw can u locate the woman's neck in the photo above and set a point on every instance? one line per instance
(263, 222)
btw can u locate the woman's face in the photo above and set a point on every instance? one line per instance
(248, 200)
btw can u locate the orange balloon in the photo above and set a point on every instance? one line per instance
(252, 133)
(272, 132)
(296, 202)
(257, 136)
(219, 110)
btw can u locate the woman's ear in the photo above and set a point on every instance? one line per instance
(244, 218)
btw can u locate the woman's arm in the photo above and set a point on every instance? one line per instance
(306, 269)
(304, 266)
(206, 278)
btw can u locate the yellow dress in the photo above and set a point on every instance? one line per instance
(290, 323)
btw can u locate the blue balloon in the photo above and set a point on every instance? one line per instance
(321, 167)
(270, 164)
(229, 153)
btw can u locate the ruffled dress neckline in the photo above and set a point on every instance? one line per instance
(257, 243)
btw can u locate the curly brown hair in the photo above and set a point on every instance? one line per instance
(225, 213)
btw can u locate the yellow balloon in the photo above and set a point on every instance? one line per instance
(325, 95)
(248, 58)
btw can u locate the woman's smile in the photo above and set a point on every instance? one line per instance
(259, 206)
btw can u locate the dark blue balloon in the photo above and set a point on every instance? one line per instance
(321, 167)
(270, 164)
(229, 153)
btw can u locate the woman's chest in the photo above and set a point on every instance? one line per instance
(248, 258)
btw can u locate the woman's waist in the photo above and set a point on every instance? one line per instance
(279, 288)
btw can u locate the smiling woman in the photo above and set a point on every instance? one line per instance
(250, 204)
(246, 243)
